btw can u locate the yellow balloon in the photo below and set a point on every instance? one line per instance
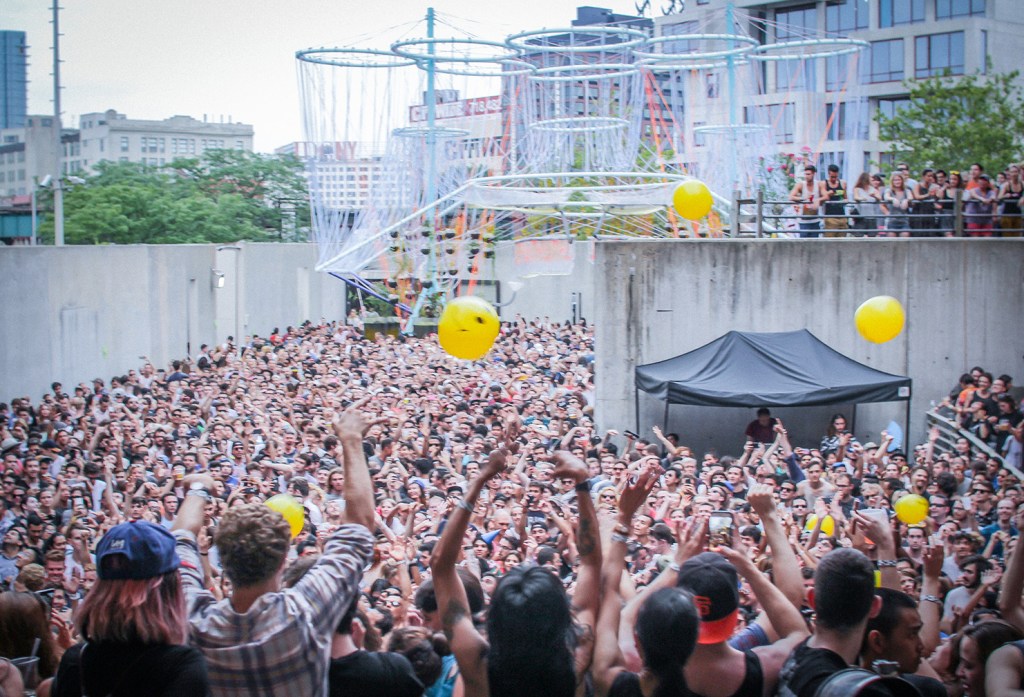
(911, 509)
(292, 510)
(880, 319)
(692, 199)
(828, 525)
(468, 327)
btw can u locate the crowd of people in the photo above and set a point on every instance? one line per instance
(906, 207)
(468, 529)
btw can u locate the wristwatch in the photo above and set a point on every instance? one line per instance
(199, 489)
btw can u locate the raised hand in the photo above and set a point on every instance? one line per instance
(495, 464)
(636, 492)
(568, 466)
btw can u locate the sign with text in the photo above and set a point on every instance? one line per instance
(458, 109)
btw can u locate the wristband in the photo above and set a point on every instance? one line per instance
(583, 487)
(886, 563)
(616, 537)
(464, 505)
(933, 599)
(621, 529)
(673, 567)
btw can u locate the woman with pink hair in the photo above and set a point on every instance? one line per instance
(134, 623)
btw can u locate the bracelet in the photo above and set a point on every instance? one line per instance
(886, 563)
(933, 599)
(583, 487)
(621, 529)
(673, 567)
(204, 554)
(616, 537)
(464, 505)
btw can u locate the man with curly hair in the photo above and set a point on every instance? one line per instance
(267, 640)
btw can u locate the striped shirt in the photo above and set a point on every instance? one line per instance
(281, 645)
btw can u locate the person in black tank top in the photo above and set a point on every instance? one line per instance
(1010, 195)
(835, 195)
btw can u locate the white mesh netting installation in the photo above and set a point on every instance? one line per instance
(424, 154)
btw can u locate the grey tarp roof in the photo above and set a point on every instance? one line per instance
(770, 369)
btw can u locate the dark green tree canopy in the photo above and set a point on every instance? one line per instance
(953, 122)
(223, 196)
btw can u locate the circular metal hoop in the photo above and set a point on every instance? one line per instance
(424, 131)
(591, 72)
(353, 58)
(725, 129)
(507, 68)
(405, 50)
(804, 49)
(627, 39)
(580, 124)
(746, 45)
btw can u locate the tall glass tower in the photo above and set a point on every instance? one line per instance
(13, 79)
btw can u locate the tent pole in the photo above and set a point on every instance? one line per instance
(636, 406)
(906, 427)
(853, 420)
(664, 425)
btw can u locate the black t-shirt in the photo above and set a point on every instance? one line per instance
(127, 670)
(373, 674)
(805, 670)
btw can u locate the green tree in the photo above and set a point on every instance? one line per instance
(953, 122)
(225, 196)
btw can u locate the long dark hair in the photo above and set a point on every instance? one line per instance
(532, 636)
(666, 631)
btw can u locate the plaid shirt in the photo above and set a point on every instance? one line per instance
(281, 646)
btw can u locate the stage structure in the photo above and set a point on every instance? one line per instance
(425, 154)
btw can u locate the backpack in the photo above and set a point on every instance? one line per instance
(858, 682)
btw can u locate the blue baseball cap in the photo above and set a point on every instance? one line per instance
(148, 550)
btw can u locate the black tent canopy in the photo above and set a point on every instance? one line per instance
(745, 369)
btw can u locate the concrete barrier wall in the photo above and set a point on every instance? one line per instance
(76, 313)
(964, 301)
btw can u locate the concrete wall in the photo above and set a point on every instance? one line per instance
(963, 299)
(75, 313)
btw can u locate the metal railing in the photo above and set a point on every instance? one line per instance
(760, 217)
(942, 419)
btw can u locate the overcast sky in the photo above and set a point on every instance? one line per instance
(152, 59)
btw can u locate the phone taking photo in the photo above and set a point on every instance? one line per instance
(720, 529)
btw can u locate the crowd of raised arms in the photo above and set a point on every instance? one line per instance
(470, 530)
(901, 205)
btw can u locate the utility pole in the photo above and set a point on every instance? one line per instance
(58, 189)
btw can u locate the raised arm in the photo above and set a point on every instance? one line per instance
(588, 546)
(785, 567)
(466, 642)
(1013, 585)
(350, 426)
(608, 662)
(930, 605)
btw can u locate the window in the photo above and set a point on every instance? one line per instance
(939, 54)
(782, 118)
(894, 12)
(124, 143)
(793, 24)
(948, 9)
(831, 158)
(847, 121)
(886, 61)
(890, 107)
(103, 144)
(239, 145)
(846, 17)
(984, 51)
